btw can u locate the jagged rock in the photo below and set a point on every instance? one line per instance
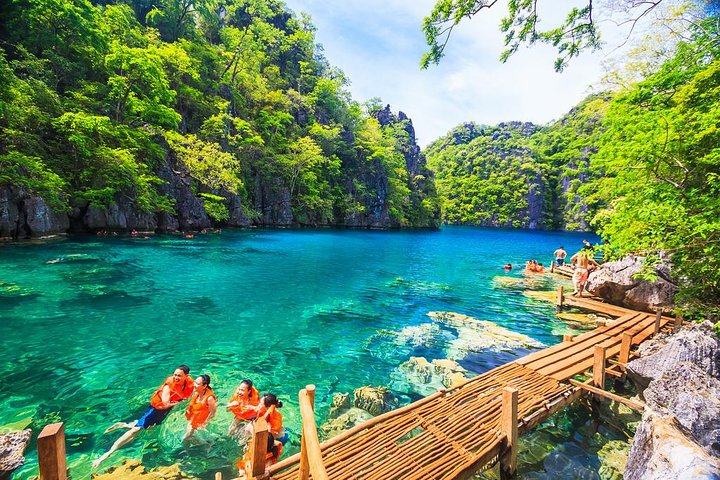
(374, 400)
(660, 451)
(133, 469)
(693, 398)
(23, 215)
(12, 446)
(119, 217)
(189, 210)
(696, 344)
(615, 283)
(345, 421)
(427, 377)
(340, 404)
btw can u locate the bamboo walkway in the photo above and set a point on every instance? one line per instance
(456, 432)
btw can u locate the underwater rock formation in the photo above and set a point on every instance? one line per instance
(340, 404)
(133, 469)
(12, 446)
(345, 421)
(426, 377)
(374, 400)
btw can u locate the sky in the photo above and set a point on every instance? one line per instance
(379, 43)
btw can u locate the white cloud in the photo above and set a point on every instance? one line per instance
(378, 43)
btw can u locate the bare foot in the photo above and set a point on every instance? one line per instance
(96, 463)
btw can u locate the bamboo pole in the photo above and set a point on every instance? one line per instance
(218, 476)
(611, 396)
(509, 425)
(658, 317)
(304, 471)
(309, 433)
(51, 452)
(567, 338)
(255, 466)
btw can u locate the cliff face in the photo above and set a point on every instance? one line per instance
(365, 183)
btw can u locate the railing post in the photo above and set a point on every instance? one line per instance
(255, 466)
(51, 452)
(509, 425)
(218, 476)
(560, 298)
(567, 338)
(658, 316)
(625, 348)
(678, 322)
(599, 367)
(304, 470)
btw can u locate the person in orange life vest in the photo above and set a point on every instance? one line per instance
(244, 404)
(174, 389)
(274, 450)
(202, 407)
(269, 405)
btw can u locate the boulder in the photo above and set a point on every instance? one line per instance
(12, 446)
(374, 400)
(343, 422)
(616, 283)
(426, 377)
(660, 451)
(696, 344)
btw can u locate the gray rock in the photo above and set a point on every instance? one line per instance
(660, 451)
(340, 404)
(24, 215)
(12, 446)
(616, 283)
(374, 400)
(696, 344)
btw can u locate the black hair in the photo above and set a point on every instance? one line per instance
(206, 380)
(185, 369)
(249, 385)
(270, 399)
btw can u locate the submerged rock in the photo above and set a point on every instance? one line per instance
(426, 377)
(345, 421)
(660, 451)
(374, 400)
(12, 446)
(133, 469)
(475, 335)
(340, 404)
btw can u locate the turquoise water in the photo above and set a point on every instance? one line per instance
(91, 326)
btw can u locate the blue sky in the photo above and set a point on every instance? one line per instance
(378, 44)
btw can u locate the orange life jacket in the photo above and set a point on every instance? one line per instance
(178, 391)
(274, 419)
(241, 410)
(270, 458)
(198, 410)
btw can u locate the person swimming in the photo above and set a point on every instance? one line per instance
(174, 390)
(244, 405)
(202, 407)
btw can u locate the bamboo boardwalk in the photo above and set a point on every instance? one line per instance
(456, 432)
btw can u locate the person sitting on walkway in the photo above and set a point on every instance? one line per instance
(175, 389)
(244, 405)
(581, 262)
(202, 407)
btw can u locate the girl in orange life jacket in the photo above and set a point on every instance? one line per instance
(202, 407)
(174, 389)
(244, 404)
(274, 450)
(269, 405)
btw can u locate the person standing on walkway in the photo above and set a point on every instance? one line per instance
(560, 255)
(581, 261)
(174, 390)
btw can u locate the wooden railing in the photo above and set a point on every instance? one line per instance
(311, 462)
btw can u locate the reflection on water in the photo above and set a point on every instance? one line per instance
(91, 327)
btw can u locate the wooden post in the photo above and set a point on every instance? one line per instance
(599, 367)
(218, 476)
(625, 348)
(509, 425)
(255, 466)
(560, 298)
(567, 338)
(51, 452)
(678, 322)
(657, 320)
(304, 470)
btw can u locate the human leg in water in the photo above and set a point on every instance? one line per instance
(126, 438)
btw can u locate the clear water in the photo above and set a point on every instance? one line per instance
(90, 326)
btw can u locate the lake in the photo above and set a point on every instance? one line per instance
(91, 326)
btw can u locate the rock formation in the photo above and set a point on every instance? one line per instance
(374, 400)
(616, 283)
(133, 469)
(12, 446)
(426, 377)
(679, 436)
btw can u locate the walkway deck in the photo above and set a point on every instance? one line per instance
(456, 432)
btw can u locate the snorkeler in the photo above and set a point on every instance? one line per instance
(175, 389)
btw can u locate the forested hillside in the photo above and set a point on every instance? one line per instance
(185, 114)
(640, 165)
